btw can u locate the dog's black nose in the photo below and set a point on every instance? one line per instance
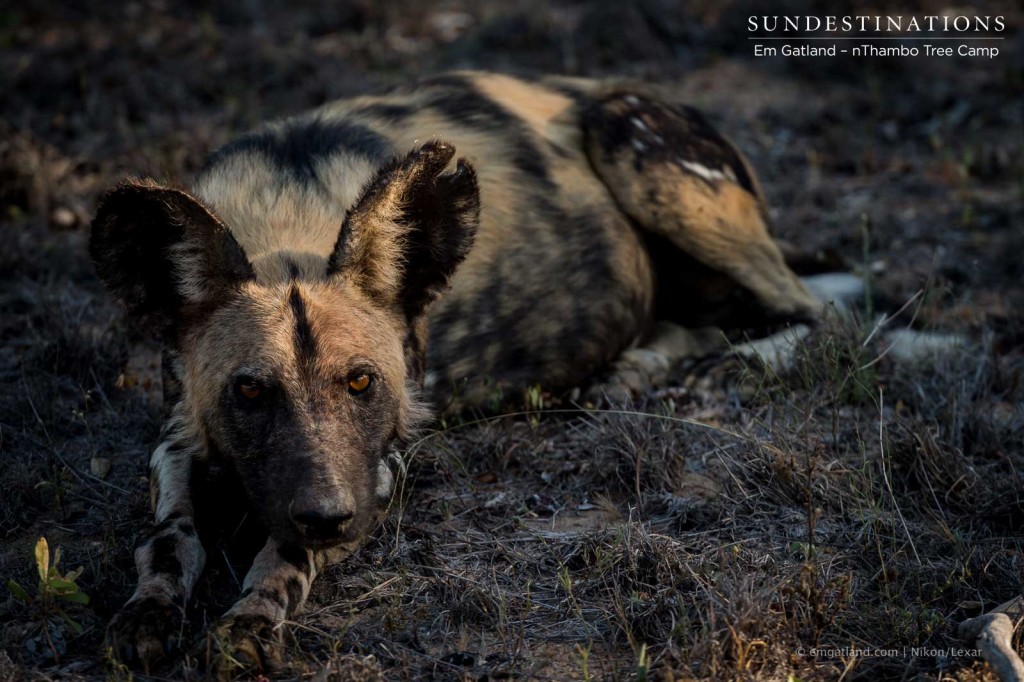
(322, 523)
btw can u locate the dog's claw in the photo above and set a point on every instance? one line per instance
(243, 641)
(145, 631)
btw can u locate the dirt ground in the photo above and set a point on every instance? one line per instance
(737, 524)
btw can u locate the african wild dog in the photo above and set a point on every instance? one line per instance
(600, 231)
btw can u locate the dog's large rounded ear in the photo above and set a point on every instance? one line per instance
(410, 229)
(159, 250)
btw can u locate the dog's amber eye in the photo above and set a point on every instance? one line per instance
(359, 384)
(249, 390)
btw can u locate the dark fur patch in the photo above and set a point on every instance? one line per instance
(295, 593)
(591, 330)
(655, 132)
(151, 619)
(136, 226)
(171, 520)
(296, 147)
(296, 556)
(576, 94)
(589, 255)
(391, 112)
(172, 382)
(165, 554)
(305, 339)
(415, 353)
(460, 101)
(272, 596)
(692, 294)
(446, 218)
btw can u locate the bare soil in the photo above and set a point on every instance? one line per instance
(721, 528)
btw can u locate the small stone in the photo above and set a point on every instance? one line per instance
(63, 217)
(486, 478)
(100, 467)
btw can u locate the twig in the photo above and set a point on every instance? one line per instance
(883, 322)
(885, 475)
(887, 318)
(993, 634)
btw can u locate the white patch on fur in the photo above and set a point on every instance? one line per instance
(414, 411)
(171, 466)
(188, 267)
(430, 380)
(165, 467)
(385, 481)
(192, 556)
(703, 171)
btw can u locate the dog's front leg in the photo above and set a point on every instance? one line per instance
(275, 588)
(171, 557)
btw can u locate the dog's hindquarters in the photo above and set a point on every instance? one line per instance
(686, 186)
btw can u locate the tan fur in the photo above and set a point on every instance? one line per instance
(274, 223)
(258, 331)
(701, 208)
(546, 112)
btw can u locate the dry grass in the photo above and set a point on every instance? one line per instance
(719, 529)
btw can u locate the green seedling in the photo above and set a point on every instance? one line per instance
(53, 591)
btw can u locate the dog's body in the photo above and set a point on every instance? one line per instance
(296, 287)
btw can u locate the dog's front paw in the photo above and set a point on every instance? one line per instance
(145, 631)
(245, 641)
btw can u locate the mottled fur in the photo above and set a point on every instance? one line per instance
(299, 285)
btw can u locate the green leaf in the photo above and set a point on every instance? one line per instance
(43, 559)
(62, 585)
(75, 597)
(73, 575)
(76, 627)
(18, 591)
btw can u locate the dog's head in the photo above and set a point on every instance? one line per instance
(303, 384)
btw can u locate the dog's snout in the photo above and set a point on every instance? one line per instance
(323, 522)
